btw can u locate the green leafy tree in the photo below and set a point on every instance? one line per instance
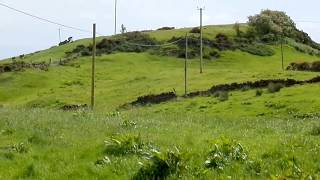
(272, 25)
(273, 22)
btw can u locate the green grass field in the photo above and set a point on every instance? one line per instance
(279, 132)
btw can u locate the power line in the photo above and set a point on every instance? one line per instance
(306, 21)
(43, 19)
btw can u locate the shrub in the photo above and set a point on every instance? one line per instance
(37, 139)
(107, 46)
(306, 49)
(160, 166)
(7, 69)
(222, 42)
(128, 123)
(166, 28)
(225, 152)
(243, 40)
(195, 30)
(9, 155)
(275, 87)
(127, 42)
(138, 37)
(315, 131)
(124, 145)
(102, 162)
(80, 50)
(299, 66)
(73, 83)
(278, 23)
(303, 47)
(272, 22)
(193, 42)
(259, 92)
(214, 54)
(29, 172)
(254, 166)
(86, 52)
(315, 66)
(6, 132)
(207, 56)
(122, 44)
(172, 50)
(210, 53)
(305, 66)
(268, 38)
(193, 47)
(257, 49)
(20, 148)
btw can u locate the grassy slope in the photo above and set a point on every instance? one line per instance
(123, 77)
(74, 141)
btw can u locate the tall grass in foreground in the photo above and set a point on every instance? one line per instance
(50, 144)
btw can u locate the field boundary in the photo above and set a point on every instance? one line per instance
(249, 85)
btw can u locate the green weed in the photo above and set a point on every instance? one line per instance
(124, 145)
(315, 131)
(225, 152)
(103, 162)
(19, 148)
(73, 83)
(6, 132)
(255, 167)
(29, 172)
(37, 139)
(259, 92)
(128, 124)
(161, 165)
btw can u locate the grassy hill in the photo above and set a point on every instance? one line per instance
(278, 132)
(122, 77)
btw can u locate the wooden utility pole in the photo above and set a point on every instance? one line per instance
(282, 55)
(201, 41)
(59, 35)
(93, 67)
(185, 67)
(115, 17)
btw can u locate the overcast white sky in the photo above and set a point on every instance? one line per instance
(21, 34)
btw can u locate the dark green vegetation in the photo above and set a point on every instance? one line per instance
(305, 66)
(264, 132)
